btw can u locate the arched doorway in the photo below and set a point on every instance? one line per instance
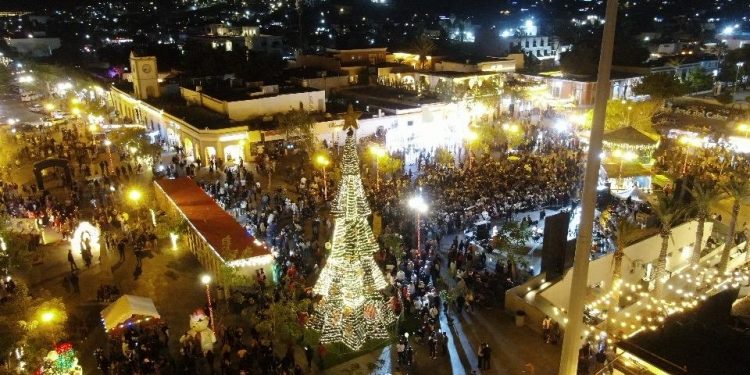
(40, 166)
(232, 153)
(188, 144)
(85, 241)
(210, 153)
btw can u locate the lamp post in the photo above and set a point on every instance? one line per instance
(688, 142)
(135, 196)
(378, 152)
(206, 280)
(47, 317)
(578, 283)
(471, 137)
(623, 156)
(108, 143)
(323, 161)
(419, 206)
(737, 75)
(744, 128)
(630, 110)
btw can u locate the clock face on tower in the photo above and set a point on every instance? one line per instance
(146, 68)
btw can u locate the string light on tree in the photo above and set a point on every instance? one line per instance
(61, 361)
(352, 309)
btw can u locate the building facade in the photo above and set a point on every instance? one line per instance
(541, 47)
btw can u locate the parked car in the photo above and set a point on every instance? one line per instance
(30, 97)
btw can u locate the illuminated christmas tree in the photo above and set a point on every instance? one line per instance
(352, 309)
(61, 361)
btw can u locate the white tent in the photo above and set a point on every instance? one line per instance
(635, 193)
(741, 308)
(127, 307)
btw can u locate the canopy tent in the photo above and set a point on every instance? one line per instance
(741, 309)
(630, 136)
(126, 308)
(628, 170)
(634, 193)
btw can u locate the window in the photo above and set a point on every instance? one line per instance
(534, 43)
(539, 53)
(409, 123)
(527, 43)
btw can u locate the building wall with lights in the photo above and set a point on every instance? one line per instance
(558, 87)
(267, 101)
(639, 262)
(197, 142)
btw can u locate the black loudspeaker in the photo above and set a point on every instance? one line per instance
(483, 230)
(555, 244)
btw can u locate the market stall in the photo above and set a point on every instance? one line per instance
(127, 311)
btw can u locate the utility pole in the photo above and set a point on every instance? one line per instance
(578, 285)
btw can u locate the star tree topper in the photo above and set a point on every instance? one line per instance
(350, 118)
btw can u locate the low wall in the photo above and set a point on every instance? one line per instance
(526, 298)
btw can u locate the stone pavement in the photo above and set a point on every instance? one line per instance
(170, 278)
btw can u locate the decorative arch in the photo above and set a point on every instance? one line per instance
(86, 236)
(50, 163)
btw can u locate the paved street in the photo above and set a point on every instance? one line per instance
(11, 107)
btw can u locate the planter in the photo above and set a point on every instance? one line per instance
(520, 318)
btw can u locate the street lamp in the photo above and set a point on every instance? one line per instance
(378, 152)
(135, 195)
(419, 206)
(630, 110)
(471, 137)
(688, 142)
(206, 280)
(49, 107)
(623, 156)
(323, 161)
(745, 128)
(108, 143)
(737, 75)
(47, 316)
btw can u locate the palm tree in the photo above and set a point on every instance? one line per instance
(669, 211)
(624, 236)
(423, 46)
(704, 196)
(738, 190)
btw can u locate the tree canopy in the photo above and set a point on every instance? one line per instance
(699, 80)
(623, 113)
(423, 46)
(22, 325)
(582, 59)
(660, 86)
(298, 123)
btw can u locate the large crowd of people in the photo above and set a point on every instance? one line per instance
(285, 203)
